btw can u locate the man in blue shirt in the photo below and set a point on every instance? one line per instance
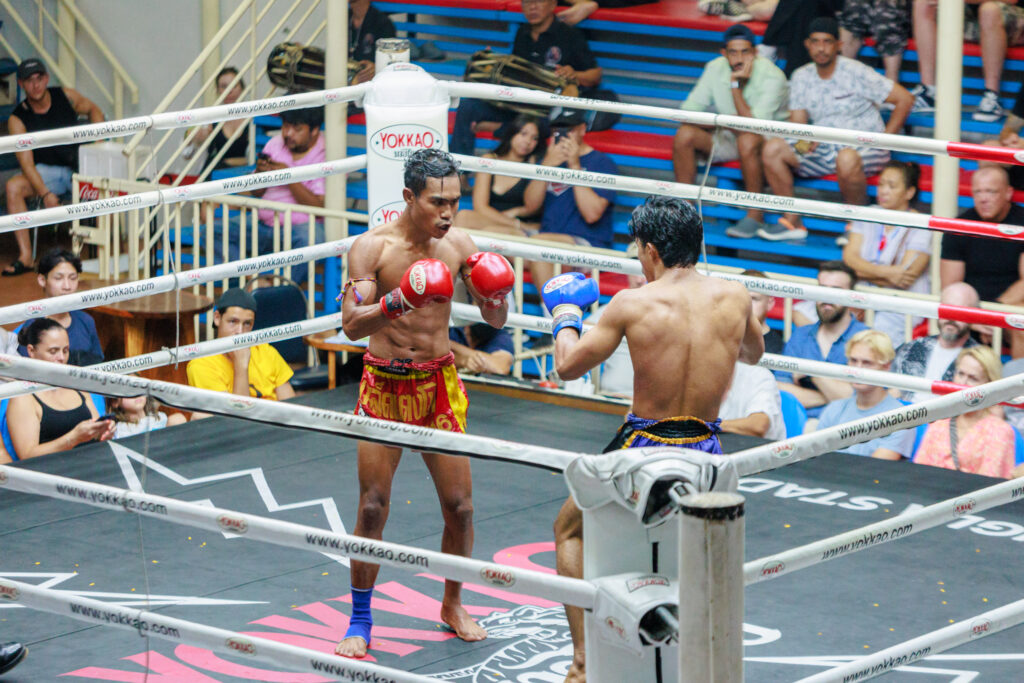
(870, 349)
(573, 214)
(824, 340)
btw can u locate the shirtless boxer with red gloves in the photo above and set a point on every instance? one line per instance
(685, 332)
(400, 295)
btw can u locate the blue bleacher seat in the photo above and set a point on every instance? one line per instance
(793, 414)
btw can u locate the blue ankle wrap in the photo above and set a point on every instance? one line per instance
(361, 622)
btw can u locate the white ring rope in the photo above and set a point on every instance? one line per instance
(223, 112)
(168, 283)
(774, 455)
(178, 119)
(181, 193)
(278, 532)
(220, 640)
(868, 536)
(745, 200)
(910, 651)
(855, 138)
(178, 354)
(285, 414)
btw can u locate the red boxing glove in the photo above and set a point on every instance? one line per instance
(492, 277)
(427, 281)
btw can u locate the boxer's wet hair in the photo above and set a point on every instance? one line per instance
(428, 163)
(30, 334)
(673, 226)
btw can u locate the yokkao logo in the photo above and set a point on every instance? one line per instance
(556, 282)
(387, 213)
(645, 581)
(22, 219)
(4, 363)
(328, 168)
(867, 139)
(964, 506)
(234, 525)
(184, 116)
(240, 645)
(331, 96)
(181, 193)
(980, 627)
(616, 627)
(418, 278)
(498, 576)
(25, 141)
(858, 297)
(1015, 320)
(33, 309)
(973, 397)
(1009, 229)
(772, 568)
(241, 403)
(782, 449)
(1019, 156)
(402, 139)
(505, 91)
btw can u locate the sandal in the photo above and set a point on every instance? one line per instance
(17, 268)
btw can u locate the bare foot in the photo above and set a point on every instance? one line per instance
(464, 626)
(353, 647)
(577, 673)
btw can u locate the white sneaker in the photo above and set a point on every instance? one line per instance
(989, 108)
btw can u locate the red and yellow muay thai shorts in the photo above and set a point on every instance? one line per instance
(426, 394)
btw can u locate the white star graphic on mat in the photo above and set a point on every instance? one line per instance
(51, 579)
(125, 455)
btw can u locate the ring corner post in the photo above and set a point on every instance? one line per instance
(711, 529)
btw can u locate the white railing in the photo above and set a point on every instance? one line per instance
(70, 26)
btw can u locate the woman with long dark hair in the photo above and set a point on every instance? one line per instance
(499, 202)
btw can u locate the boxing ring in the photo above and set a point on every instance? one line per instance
(188, 490)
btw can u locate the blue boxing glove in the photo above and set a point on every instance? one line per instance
(565, 296)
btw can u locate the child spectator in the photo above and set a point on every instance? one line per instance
(139, 414)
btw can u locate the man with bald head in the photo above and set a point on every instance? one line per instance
(935, 357)
(994, 267)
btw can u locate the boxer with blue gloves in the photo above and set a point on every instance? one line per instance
(685, 332)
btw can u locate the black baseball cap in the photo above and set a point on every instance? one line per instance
(824, 25)
(568, 118)
(236, 296)
(738, 32)
(30, 66)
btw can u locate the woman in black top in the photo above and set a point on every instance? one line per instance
(499, 202)
(56, 419)
(236, 155)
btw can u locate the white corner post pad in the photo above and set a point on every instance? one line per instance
(711, 586)
(635, 538)
(641, 479)
(637, 610)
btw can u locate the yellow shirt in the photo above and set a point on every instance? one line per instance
(267, 371)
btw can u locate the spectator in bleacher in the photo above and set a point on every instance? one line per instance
(45, 172)
(499, 202)
(979, 442)
(1010, 136)
(541, 40)
(366, 24)
(237, 154)
(258, 371)
(56, 419)
(992, 266)
(58, 271)
(762, 304)
(299, 143)
(139, 414)
(888, 255)
(736, 83)
(888, 21)
(934, 357)
(824, 340)
(573, 214)
(787, 30)
(1015, 416)
(480, 348)
(872, 350)
(841, 93)
(753, 405)
(994, 24)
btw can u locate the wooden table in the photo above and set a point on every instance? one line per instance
(318, 340)
(138, 326)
